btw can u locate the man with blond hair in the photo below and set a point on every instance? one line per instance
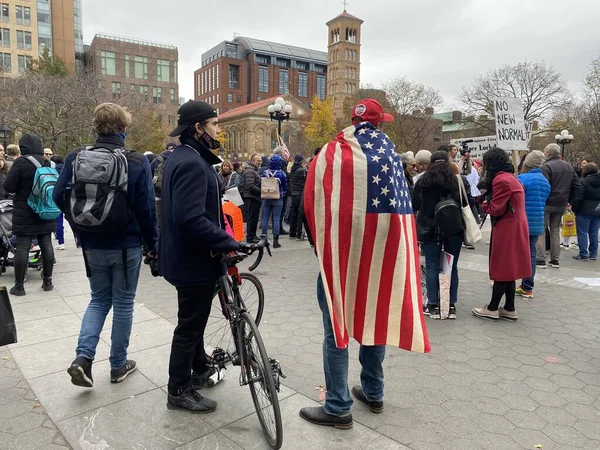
(12, 153)
(111, 219)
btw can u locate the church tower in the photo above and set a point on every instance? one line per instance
(343, 69)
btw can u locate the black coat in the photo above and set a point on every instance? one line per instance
(588, 196)
(424, 201)
(192, 228)
(250, 182)
(297, 178)
(20, 182)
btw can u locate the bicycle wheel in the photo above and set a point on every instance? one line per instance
(218, 330)
(259, 374)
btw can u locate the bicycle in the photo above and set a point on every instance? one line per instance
(257, 371)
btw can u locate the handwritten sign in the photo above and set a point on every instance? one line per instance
(511, 131)
(478, 146)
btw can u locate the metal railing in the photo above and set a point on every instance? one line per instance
(134, 41)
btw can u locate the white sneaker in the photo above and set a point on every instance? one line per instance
(60, 247)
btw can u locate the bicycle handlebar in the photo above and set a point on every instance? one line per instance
(249, 249)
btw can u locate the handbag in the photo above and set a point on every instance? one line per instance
(8, 329)
(472, 234)
(269, 187)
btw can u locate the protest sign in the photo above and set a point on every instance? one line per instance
(510, 124)
(478, 147)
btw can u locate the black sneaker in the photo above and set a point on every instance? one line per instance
(17, 290)
(432, 311)
(190, 401)
(81, 372)
(540, 264)
(118, 375)
(452, 312)
(554, 263)
(375, 407)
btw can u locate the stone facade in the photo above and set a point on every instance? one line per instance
(249, 130)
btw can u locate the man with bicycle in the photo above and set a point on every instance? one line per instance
(192, 241)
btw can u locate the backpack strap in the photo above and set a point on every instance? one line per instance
(33, 161)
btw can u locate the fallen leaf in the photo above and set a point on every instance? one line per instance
(136, 334)
(5, 357)
(85, 418)
(140, 304)
(552, 359)
(538, 445)
(37, 404)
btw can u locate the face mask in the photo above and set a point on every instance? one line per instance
(211, 143)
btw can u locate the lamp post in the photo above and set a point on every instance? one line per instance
(564, 138)
(4, 134)
(280, 111)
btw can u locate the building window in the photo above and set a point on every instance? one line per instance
(172, 94)
(320, 69)
(218, 78)
(24, 62)
(175, 71)
(301, 66)
(4, 12)
(144, 92)
(156, 95)
(231, 51)
(23, 15)
(116, 89)
(321, 87)
(234, 74)
(109, 63)
(302, 84)
(132, 89)
(5, 62)
(24, 39)
(284, 82)
(5, 37)
(229, 98)
(163, 70)
(239, 99)
(141, 67)
(127, 66)
(283, 62)
(263, 79)
(259, 59)
(218, 99)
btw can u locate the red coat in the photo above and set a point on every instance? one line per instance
(509, 247)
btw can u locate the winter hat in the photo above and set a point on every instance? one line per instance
(236, 165)
(423, 157)
(534, 159)
(298, 158)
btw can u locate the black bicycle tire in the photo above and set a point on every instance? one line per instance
(261, 295)
(277, 441)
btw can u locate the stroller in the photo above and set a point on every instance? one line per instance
(7, 241)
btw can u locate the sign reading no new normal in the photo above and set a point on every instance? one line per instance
(511, 131)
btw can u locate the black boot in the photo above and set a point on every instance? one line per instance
(18, 289)
(276, 243)
(47, 284)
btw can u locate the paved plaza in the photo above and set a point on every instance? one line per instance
(485, 385)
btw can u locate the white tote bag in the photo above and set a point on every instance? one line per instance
(472, 232)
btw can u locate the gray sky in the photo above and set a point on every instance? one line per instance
(443, 44)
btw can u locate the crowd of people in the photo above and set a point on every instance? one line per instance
(179, 193)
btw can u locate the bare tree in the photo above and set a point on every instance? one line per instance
(542, 89)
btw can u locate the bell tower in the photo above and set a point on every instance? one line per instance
(343, 68)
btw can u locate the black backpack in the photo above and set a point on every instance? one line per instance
(158, 176)
(447, 218)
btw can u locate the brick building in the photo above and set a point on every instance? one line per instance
(344, 59)
(28, 27)
(246, 70)
(138, 67)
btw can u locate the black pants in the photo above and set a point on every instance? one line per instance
(22, 255)
(187, 348)
(503, 288)
(296, 216)
(252, 214)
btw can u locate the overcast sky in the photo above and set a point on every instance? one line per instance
(443, 44)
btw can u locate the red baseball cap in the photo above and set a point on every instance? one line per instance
(369, 110)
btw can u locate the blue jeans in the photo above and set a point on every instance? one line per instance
(110, 288)
(587, 235)
(335, 366)
(527, 283)
(275, 207)
(60, 229)
(433, 253)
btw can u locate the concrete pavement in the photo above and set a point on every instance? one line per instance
(485, 385)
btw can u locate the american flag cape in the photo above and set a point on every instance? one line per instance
(359, 211)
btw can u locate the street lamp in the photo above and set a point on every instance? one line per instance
(564, 138)
(4, 134)
(280, 111)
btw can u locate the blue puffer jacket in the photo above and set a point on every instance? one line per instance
(537, 191)
(275, 171)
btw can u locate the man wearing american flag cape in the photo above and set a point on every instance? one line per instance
(360, 220)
